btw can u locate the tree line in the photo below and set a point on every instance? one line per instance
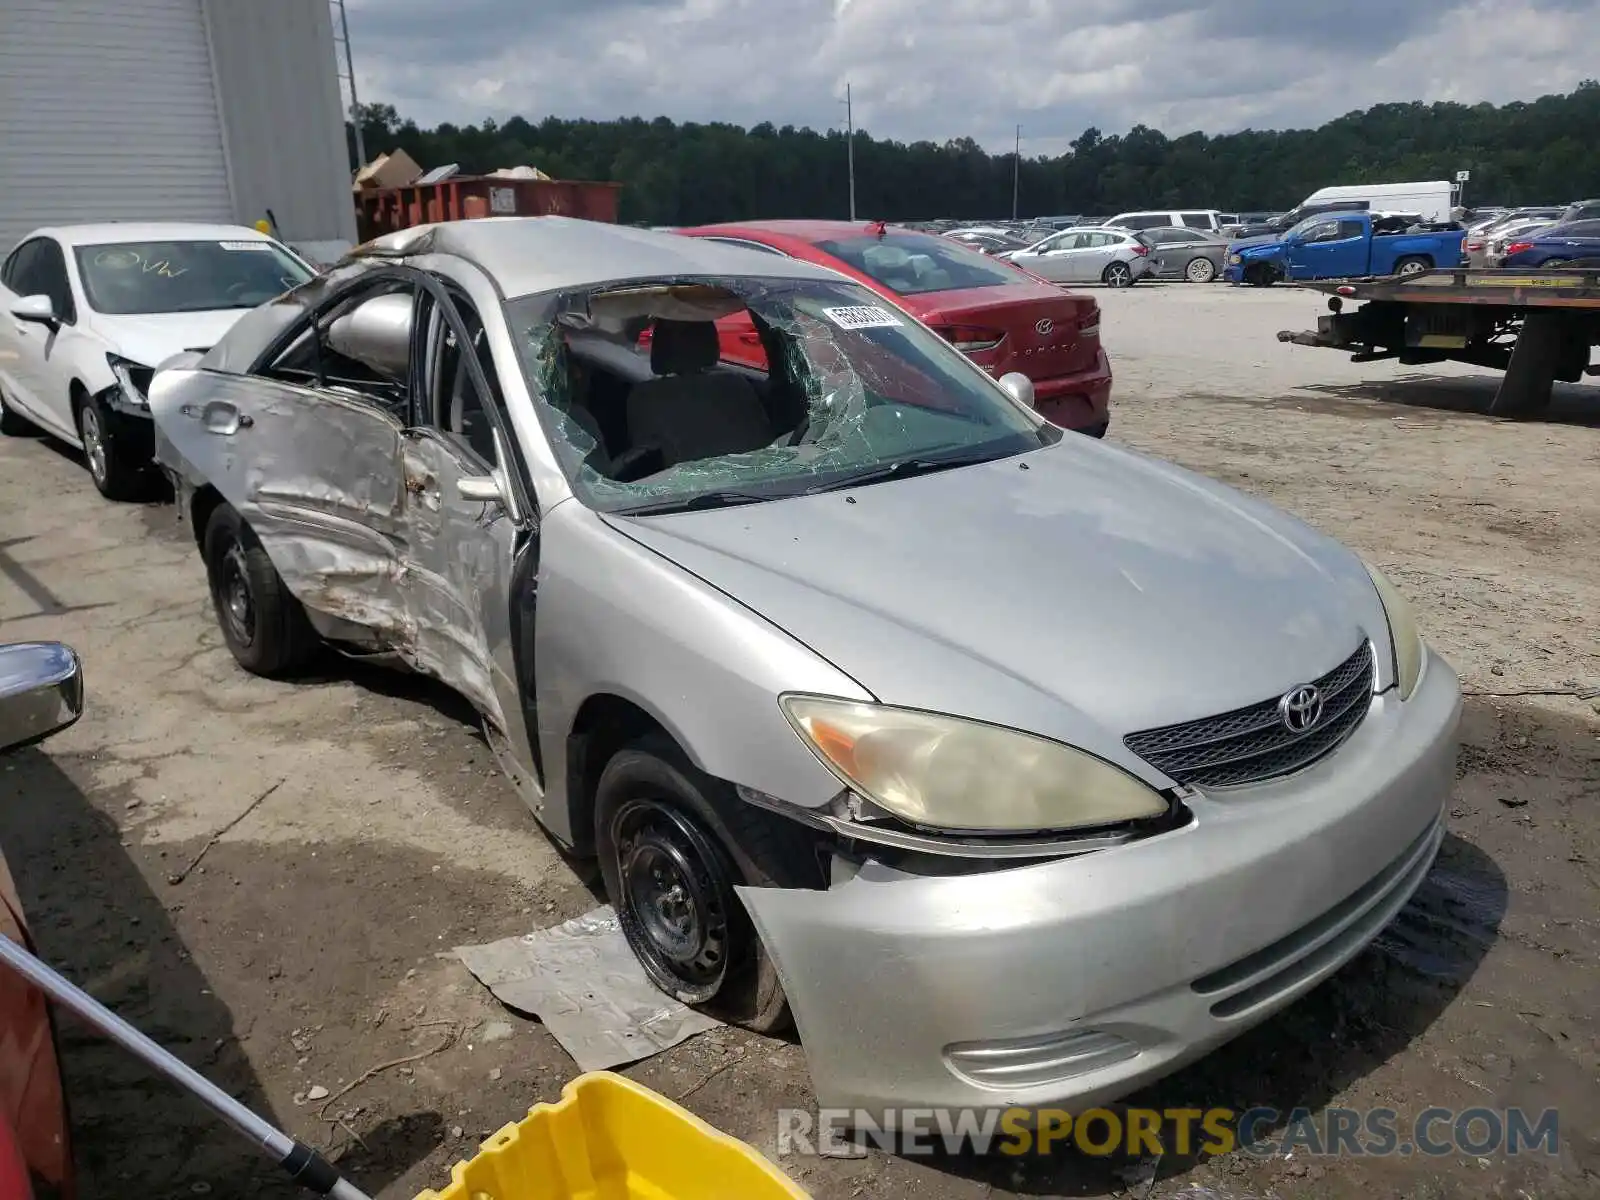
(1542, 151)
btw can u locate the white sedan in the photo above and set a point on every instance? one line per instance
(92, 310)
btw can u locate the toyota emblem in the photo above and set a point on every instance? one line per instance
(1301, 709)
(1045, 326)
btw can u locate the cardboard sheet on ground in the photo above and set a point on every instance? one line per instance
(584, 983)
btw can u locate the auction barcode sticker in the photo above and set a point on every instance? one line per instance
(862, 316)
(246, 246)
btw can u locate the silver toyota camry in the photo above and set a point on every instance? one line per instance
(1014, 768)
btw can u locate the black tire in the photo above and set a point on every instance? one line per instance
(1260, 275)
(1408, 267)
(1555, 264)
(673, 843)
(1118, 275)
(13, 423)
(114, 477)
(1200, 270)
(264, 625)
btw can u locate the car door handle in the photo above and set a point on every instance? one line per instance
(218, 417)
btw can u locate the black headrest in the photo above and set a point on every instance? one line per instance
(683, 347)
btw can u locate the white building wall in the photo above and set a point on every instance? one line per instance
(282, 117)
(107, 112)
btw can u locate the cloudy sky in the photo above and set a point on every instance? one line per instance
(947, 68)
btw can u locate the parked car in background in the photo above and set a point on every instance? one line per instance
(41, 693)
(987, 241)
(1115, 257)
(1346, 245)
(1569, 244)
(1206, 218)
(1493, 244)
(1188, 254)
(1582, 210)
(826, 775)
(91, 310)
(1479, 246)
(1003, 319)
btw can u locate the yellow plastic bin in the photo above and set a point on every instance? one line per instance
(608, 1138)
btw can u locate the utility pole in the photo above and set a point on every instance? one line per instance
(1016, 173)
(850, 146)
(350, 74)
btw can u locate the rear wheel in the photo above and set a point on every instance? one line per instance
(264, 625)
(1551, 264)
(673, 844)
(13, 423)
(1117, 275)
(1408, 267)
(1200, 270)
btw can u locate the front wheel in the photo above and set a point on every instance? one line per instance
(262, 622)
(114, 476)
(1260, 275)
(1200, 270)
(673, 844)
(1118, 275)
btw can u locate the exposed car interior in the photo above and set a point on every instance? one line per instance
(675, 402)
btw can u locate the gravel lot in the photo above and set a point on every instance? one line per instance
(307, 947)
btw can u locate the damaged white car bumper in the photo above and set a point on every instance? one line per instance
(1077, 980)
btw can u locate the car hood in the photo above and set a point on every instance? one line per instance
(1082, 591)
(148, 338)
(1256, 246)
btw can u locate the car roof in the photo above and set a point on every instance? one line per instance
(813, 231)
(116, 232)
(528, 255)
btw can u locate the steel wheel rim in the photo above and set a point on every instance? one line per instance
(1118, 275)
(1201, 271)
(1411, 268)
(675, 899)
(94, 445)
(234, 599)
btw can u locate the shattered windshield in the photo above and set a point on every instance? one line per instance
(124, 278)
(668, 396)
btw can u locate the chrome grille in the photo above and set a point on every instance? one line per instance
(1251, 744)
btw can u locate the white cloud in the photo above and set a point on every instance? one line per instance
(974, 68)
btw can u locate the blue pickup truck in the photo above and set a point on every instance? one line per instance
(1342, 246)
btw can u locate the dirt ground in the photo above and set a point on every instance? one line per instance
(309, 947)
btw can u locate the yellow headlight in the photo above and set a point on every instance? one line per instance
(1403, 631)
(949, 773)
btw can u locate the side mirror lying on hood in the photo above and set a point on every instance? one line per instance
(41, 691)
(1019, 387)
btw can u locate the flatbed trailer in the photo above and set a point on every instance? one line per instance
(1536, 326)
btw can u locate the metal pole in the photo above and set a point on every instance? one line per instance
(850, 142)
(355, 105)
(1016, 173)
(305, 1165)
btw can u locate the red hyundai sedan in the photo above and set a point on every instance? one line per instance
(1000, 316)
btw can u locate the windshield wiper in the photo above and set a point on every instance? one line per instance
(722, 499)
(903, 468)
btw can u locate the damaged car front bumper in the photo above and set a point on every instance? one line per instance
(1077, 980)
